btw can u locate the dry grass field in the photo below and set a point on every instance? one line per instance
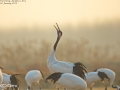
(19, 55)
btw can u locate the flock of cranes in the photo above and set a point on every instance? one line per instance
(71, 76)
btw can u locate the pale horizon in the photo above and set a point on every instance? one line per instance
(45, 13)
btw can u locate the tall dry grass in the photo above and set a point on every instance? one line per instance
(25, 50)
(32, 54)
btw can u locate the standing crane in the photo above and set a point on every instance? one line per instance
(55, 65)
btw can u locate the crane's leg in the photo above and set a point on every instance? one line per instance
(90, 87)
(64, 89)
(31, 88)
(57, 86)
(8, 88)
(12, 88)
(18, 88)
(39, 85)
(28, 88)
(106, 86)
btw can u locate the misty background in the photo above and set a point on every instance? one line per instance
(91, 35)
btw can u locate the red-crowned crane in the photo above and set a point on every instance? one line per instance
(103, 74)
(55, 65)
(68, 80)
(33, 76)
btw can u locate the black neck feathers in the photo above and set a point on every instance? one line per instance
(55, 45)
(79, 70)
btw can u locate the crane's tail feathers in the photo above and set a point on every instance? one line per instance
(79, 63)
(18, 80)
(53, 77)
(79, 69)
(103, 75)
(83, 69)
(14, 81)
(15, 77)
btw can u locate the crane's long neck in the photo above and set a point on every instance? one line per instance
(55, 45)
(51, 57)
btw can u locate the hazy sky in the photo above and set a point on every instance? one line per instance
(47, 12)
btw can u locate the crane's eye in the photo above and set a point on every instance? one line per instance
(60, 34)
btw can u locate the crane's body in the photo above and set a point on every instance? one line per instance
(109, 73)
(67, 80)
(103, 74)
(6, 78)
(33, 76)
(55, 65)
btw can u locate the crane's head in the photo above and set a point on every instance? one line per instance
(117, 87)
(59, 32)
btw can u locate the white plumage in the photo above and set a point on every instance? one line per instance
(67, 80)
(6, 78)
(33, 76)
(55, 65)
(104, 74)
(91, 77)
(109, 73)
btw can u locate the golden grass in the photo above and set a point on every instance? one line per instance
(19, 53)
(32, 54)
